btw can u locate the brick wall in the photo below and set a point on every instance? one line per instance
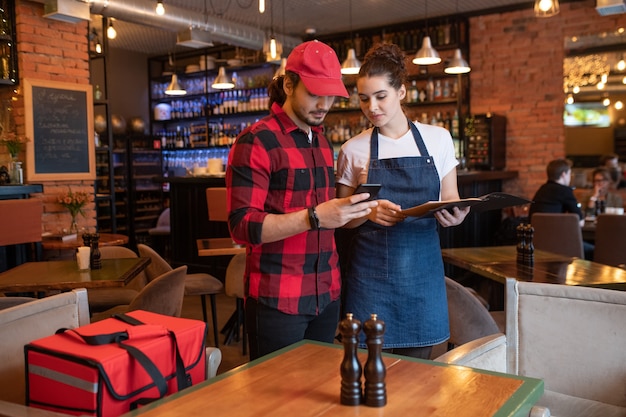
(57, 51)
(517, 70)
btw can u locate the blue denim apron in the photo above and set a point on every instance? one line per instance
(397, 272)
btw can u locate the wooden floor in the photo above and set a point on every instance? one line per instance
(232, 353)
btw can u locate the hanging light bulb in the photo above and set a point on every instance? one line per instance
(546, 8)
(576, 89)
(457, 65)
(174, 89)
(619, 105)
(160, 9)
(606, 102)
(351, 65)
(427, 55)
(98, 46)
(261, 6)
(111, 32)
(222, 82)
(621, 65)
(570, 99)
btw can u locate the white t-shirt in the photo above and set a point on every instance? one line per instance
(354, 157)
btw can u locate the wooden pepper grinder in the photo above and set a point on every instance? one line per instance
(95, 261)
(87, 239)
(530, 247)
(375, 391)
(351, 393)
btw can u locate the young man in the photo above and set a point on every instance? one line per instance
(556, 195)
(281, 188)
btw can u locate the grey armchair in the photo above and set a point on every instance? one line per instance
(571, 337)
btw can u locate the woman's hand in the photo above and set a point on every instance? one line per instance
(386, 213)
(454, 218)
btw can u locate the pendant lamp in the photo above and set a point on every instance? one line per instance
(222, 82)
(427, 55)
(351, 65)
(546, 8)
(174, 89)
(457, 65)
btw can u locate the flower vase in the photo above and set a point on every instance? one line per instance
(15, 170)
(73, 226)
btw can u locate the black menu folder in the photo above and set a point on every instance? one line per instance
(491, 201)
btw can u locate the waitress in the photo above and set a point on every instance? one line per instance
(393, 266)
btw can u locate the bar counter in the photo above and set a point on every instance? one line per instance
(189, 218)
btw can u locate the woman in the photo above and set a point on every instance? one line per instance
(394, 267)
(601, 196)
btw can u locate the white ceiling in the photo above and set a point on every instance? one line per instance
(294, 17)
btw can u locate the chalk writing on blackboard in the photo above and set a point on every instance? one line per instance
(59, 122)
(61, 136)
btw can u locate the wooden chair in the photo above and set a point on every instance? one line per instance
(216, 203)
(558, 233)
(163, 295)
(21, 324)
(101, 299)
(569, 336)
(195, 284)
(234, 288)
(20, 223)
(610, 242)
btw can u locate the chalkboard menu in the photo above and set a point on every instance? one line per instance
(59, 124)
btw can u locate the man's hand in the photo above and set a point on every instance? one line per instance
(339, 211)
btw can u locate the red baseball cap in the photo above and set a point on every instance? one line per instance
(318, 67)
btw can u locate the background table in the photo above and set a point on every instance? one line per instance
(106, 239)
(500, 262)
(304, 380)
(218, 246)
(64, 275)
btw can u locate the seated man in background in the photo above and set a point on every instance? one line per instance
(556, 196)
(611, 163)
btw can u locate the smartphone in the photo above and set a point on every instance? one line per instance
(372, 189)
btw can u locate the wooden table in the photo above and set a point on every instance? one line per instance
(303, 380)
(499, 262)
(218, 246)
(64, 275)
(106, 239)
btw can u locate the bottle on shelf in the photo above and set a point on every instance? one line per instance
(413, 93)
(430, 90)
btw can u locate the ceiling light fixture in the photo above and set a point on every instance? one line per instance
(222, 82)
(427, 55)
(160, 9)
(351, 65)
(111, 32)
(546, 8)
(261, 6)
(272, 48)
(457, 65)
(175, 89)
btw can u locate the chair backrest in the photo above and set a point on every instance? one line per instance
(20, 221)
(164, 218)
(610, 243)
(21, 324)
(569, 336)
(233, 285)
(469, 319)
(111, 252)
(558, 233)
(157, 266)
(216, 203)
(164, 294)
